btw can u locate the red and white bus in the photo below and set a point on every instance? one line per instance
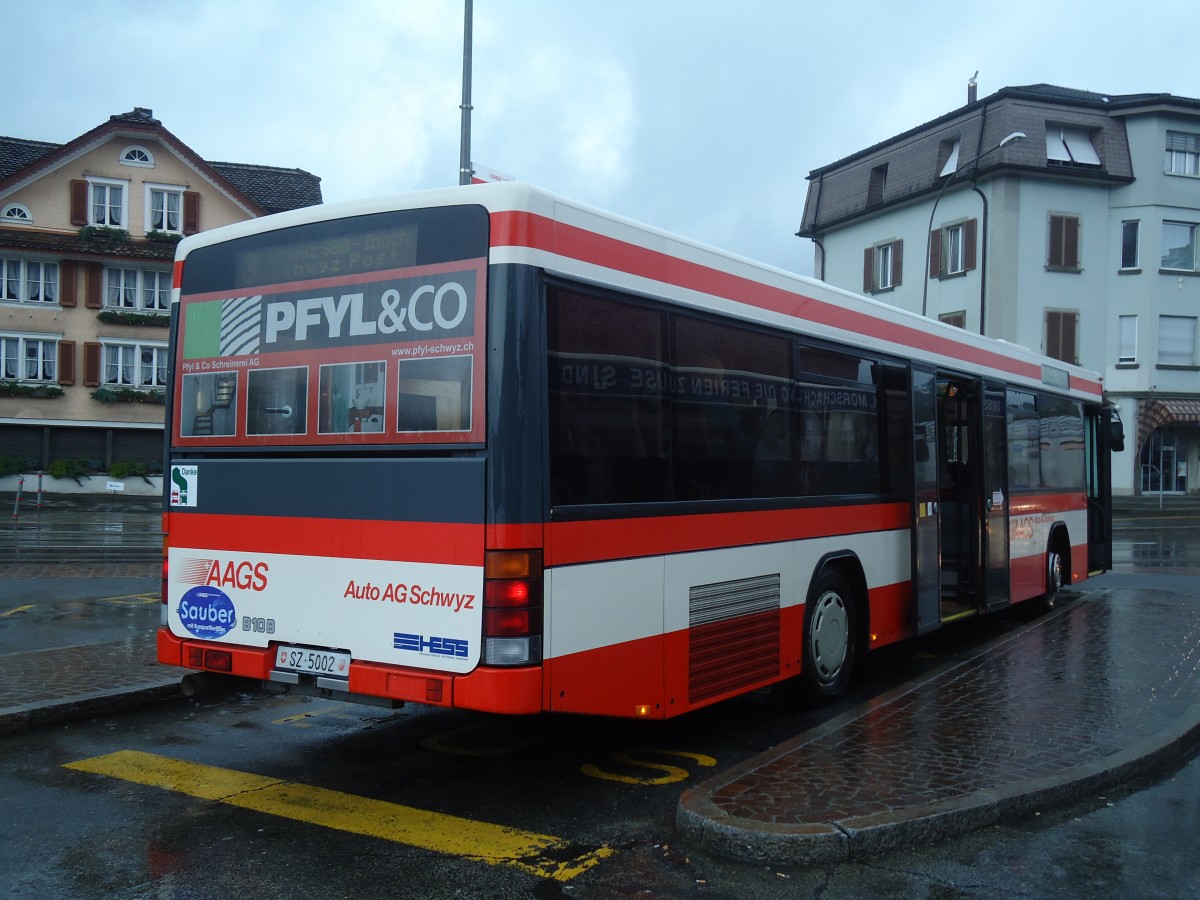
(491, 449)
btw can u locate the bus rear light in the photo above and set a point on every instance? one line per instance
(512, 651)
(512, 607)
(213, 660)
(507, 621)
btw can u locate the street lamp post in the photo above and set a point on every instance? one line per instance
(1008, 139)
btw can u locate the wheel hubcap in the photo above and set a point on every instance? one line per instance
(830, 635)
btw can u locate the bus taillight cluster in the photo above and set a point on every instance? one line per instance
(512, 608)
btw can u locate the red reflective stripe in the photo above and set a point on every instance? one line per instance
(576, 542)
(433, 542)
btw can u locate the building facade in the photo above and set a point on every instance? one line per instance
(87, 239)
(1062, 220)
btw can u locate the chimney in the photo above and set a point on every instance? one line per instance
(972, 89)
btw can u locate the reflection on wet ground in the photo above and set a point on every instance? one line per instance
(82, 534)
(1163, 548)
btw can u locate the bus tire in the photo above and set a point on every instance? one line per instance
(830, 638)
(1054, 577)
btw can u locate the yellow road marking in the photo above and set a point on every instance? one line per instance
(673, 774)
(132, 599)
(15, 610)
(481, 841)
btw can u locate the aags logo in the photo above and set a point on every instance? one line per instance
(244, 575)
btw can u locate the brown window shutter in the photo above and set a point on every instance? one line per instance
(92, 354)
(1054, 256)
(935, 253)
(66, 362)
(1071, 243)
(93, 285)
(79, 202)
(191, 212)
(868, 270)
(897, 262)
(970, 229)
(1070, 324)
(68, 290)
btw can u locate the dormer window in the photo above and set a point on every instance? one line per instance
(16, 213)
(949, 152)
(1070, 146)
(137, 156)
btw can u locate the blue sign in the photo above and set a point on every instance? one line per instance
(207, 612)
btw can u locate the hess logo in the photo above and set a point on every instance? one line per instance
(245, 576)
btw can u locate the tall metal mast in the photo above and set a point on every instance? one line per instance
(464, 154)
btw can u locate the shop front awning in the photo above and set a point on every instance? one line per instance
(1156, 412)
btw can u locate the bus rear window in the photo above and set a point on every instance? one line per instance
(367, 330)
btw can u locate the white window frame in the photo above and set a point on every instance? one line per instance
(955, 245)
(1191, 230)
(166, 191)
(100, 195)
(1184, 158)
(142, 290)
(45, 358)
(137, 155)
(17, 271)
(883, 266)
(1127, 340)
(16, 214)
(1177, 341)
(140, 365)
(1135, 226)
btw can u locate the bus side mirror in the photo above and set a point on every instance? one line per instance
(1116, 436)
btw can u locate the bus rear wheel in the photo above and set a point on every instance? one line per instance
(830, 638)
(1054, 578)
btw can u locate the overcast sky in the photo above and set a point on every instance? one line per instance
(700, 117)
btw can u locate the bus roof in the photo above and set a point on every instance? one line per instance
(535, 227)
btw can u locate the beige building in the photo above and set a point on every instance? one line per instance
(87, 239)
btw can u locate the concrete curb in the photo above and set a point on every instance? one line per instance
(15, 719)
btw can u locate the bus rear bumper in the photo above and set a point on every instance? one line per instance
(515, 691)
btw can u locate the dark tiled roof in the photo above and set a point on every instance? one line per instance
(272, 188)
(17, 153)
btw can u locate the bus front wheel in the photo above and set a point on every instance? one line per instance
(830, 638)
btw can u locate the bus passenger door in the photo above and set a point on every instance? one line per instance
(1103, 436)
(926, 528)
(995, 497)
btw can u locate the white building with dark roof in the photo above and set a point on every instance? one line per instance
(1058, 219)
(87, 240)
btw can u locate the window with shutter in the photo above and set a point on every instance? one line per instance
(68, 290)
(1063, 250)
(93, 285)
(1062, 330)
(935, 253)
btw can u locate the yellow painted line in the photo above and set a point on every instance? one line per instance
(672, 774)
(133, 599)
(467, 838)
(15, 610)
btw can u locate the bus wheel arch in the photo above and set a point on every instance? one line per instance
(835, 621)
(1058, 565)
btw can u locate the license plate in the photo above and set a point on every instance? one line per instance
(316, 662)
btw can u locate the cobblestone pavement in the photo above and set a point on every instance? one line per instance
(1098, 692)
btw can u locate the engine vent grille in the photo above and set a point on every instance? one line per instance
(733, 639)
